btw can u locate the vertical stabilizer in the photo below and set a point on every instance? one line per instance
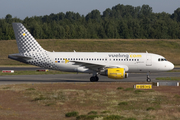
(25, 41)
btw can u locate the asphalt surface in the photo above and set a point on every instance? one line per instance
(77, 78)
(20, 68)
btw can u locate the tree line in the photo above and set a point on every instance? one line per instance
(119, 22)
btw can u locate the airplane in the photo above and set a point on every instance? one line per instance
(113, 65)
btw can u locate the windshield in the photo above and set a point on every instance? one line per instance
(162, 59)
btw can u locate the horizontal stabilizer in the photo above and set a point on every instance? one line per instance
(19, 57)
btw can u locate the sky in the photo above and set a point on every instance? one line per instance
(29, 8)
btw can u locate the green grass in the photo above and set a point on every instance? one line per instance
(119, 88)
(41, 97)
(30, 89)
(107, 45)
(6, 88)
(129, 89)
(106, 111)
(92, 112)
(123, 103)
(176, 96)
(138, 91)
(113, 117)
(169, 78)
(72, 114)
(87, 117)
(150, 108)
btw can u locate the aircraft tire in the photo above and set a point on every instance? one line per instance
(97, 78)
(148, 80)
(94, 79)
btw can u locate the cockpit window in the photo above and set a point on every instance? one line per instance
(162, 59)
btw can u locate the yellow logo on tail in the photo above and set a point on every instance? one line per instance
(66, 61)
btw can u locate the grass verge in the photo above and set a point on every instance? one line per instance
(88, 101)
(169, 78)
(107, 45)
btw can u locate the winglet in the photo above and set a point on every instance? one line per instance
(66, 61)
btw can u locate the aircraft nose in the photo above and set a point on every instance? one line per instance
(170, 66)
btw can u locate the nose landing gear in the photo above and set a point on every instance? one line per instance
(148, 78)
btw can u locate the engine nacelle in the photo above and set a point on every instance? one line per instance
(115, 73)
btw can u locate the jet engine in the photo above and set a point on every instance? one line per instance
(114, 73)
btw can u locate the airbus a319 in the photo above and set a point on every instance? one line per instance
(113, 65)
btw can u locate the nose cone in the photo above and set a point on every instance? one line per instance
(170, 66)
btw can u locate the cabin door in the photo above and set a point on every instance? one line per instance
(148, 60)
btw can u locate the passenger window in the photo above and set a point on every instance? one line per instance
(55, 58)
(81, 58)
(129, 59)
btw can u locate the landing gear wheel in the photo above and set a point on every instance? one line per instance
(148, 78)
(94, 79)
(97, 78)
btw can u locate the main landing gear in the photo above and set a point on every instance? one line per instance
(148, 78)
(94, 78)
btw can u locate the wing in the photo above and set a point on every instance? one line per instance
(96, 67)
(92, 66)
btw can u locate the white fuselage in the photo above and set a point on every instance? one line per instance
(131, 62)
